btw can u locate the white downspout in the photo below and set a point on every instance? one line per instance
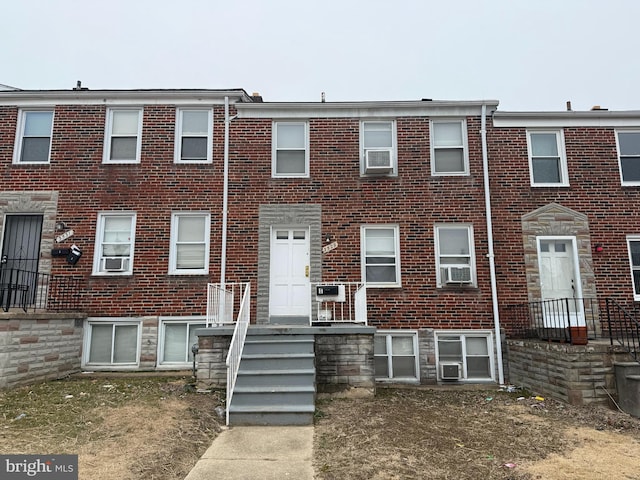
(225, 194)
(490, 255)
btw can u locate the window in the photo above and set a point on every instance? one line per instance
(396, 356)
(464, 356)
(380, 255)
(449, 148)
(189, 252)
(455, 258)
(547, 161)
(177, 338)
(194, 136)
(290, 150)
(629, 154)
(113, 343)
(34, 136)
(114, 244)
(633, 242)
(122, 143)
(378, 151)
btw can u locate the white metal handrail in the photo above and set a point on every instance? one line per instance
(220, 303)
(237, 344)
(349, 306)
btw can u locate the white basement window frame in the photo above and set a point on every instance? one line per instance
(471, 350)
(396, 356)
(177, 336)
(112, 342)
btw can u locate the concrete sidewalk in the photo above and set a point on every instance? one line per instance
(262, 453)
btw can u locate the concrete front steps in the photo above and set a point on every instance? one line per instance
(276, 378)
(628, 386)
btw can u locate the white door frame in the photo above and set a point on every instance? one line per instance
(556, 319)
(293, 310)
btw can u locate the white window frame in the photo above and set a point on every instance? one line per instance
(620, 156)
(393, 148)
(20, 136)
(275, 149)
(179, 135)
(108, 135)
(389, 335)
(472, 253)
(464, 334)
(363, 255)
(188, 322)
(633, 268)
(562, 158)
(97, 254)
(173, 251)
(464, 147)
(115, 322)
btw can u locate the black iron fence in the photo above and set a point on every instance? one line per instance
(623, 326)
(573, 320)
(38, 291)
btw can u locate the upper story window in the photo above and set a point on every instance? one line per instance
(629, 155)
(194, 136)
(189, 252)
(380, 255)
(33, 143)
(455, 257)
(290, 149)
(378, 147)
(123, 142)
(547, 159)
(449, 147)
(113, 254)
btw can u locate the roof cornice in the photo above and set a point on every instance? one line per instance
(115, 97)
(591, 118)
(362, 109)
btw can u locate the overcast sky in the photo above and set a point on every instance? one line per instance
(528, 54)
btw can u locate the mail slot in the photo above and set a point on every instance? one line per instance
(326, 290)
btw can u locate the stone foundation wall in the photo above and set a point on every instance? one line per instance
(38, 347)
(211, 359)
(576, 374)
(345, 364)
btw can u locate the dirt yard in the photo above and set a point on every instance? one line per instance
(156, 428)
(453, 434)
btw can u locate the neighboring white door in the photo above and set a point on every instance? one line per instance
(290, 290)
(559, 279)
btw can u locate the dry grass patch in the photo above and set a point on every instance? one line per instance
(454, 434)
(121, 428)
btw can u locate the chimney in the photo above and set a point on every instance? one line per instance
(598, 107)
(568, 105)
(256, 97)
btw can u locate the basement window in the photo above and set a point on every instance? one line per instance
(464, 356)
(395, 356)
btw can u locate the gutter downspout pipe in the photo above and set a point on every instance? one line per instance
(225, 195)
(490, 255)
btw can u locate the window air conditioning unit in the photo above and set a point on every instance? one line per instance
(456, 274)
(378, 161)
(114, 264)
(450, 371)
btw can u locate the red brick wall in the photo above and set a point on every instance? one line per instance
(595, 190)
(414, 199)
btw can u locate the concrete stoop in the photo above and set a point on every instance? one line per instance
(276, 379)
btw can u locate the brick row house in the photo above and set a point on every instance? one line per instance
(449, 213)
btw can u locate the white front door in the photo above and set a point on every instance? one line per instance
(290, 289)
(560, 279)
